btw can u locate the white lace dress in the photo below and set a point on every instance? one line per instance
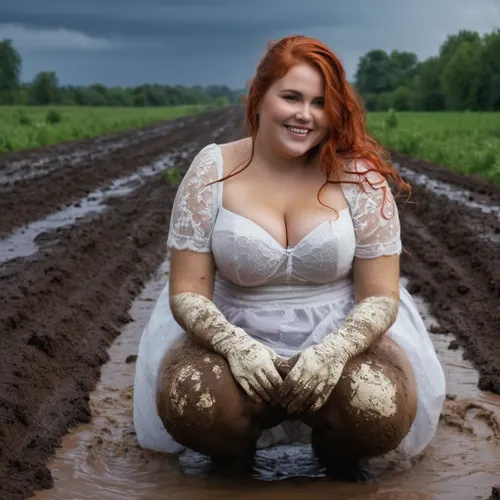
(287, 299)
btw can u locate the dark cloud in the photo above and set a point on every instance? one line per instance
(126, 42)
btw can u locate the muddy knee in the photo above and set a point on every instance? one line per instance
(202, 406)
(371, 409)
(378, 408)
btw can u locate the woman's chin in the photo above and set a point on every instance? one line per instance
(295, 150)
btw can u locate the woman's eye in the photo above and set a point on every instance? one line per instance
(290, 97)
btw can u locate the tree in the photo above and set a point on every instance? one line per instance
(373, 72)
(402, 68)
(461, 77)
(453, 42)
(489, 86)
(401, 99)
(45, 88)
(429, 95)
(10, 70)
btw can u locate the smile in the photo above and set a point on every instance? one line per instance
(298, 131)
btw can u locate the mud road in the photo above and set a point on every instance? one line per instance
(83, 228)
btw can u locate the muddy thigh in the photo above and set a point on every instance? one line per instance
(204, 408)
(371, 409)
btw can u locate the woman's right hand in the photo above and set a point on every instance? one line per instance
(253, 367)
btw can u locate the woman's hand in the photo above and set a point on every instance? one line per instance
(252, 365)
(316, 372)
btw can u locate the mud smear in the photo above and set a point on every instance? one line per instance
(103, 460)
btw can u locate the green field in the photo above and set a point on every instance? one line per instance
(467, 142)
(23, 127)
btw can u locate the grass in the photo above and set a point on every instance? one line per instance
(24, 127)
(464, 141)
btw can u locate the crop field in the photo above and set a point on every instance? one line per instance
(27, 127)
(467, 142)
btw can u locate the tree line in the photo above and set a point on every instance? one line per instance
(45, 89)
(464, 75)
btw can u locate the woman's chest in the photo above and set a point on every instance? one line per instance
(247, 254)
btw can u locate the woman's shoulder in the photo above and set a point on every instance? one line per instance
(359, 173)
(234, 153)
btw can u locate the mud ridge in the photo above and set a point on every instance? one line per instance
(61, 186)
(457, 271)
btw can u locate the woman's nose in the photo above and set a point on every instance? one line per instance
(304, 113)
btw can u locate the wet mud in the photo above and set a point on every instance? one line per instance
(68, 298)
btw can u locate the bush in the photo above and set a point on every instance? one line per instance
(23, 118)
(53, 117)
(391, 120)
(172, 176)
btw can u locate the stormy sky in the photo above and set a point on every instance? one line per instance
(189, 42)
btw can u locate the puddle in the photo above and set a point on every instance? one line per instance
(22, 242)
(452, 192)
(102, 461)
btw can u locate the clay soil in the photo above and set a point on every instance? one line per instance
(63, 306)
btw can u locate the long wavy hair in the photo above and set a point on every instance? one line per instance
(347, 139)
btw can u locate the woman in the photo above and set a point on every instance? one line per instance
(284, 320)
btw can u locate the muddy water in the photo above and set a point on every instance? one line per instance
(22, 242)
(456, 193)
(102, 461)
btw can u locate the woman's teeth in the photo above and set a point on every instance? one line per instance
(299, 131)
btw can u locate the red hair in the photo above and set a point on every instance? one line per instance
(347, 139)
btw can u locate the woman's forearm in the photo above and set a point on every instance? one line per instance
(368, 321)
(202, 319)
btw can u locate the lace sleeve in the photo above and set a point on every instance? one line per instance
(195, 206)
(376, 220)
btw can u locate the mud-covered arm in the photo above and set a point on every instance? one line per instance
(376, 277)
(192, 279)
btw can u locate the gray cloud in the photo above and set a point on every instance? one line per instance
(218, 41)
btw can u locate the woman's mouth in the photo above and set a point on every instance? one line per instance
(299, 132)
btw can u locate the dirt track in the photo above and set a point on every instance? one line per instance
(63, 305)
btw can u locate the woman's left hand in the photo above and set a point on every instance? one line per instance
(313, 378)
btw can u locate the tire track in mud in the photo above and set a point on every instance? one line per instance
(26, 198)
(453, 260)
(62, 308)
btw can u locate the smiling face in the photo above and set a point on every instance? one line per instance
(292, 116)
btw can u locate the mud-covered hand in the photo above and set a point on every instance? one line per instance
(319, 368)
(313, 377)
(252, 364)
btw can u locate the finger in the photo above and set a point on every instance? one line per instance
(290, 381)
(296, 389)
(313, 397)
(273, 379)
(297, 404)
(322, 396)
(246, 387)
(263, 387)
